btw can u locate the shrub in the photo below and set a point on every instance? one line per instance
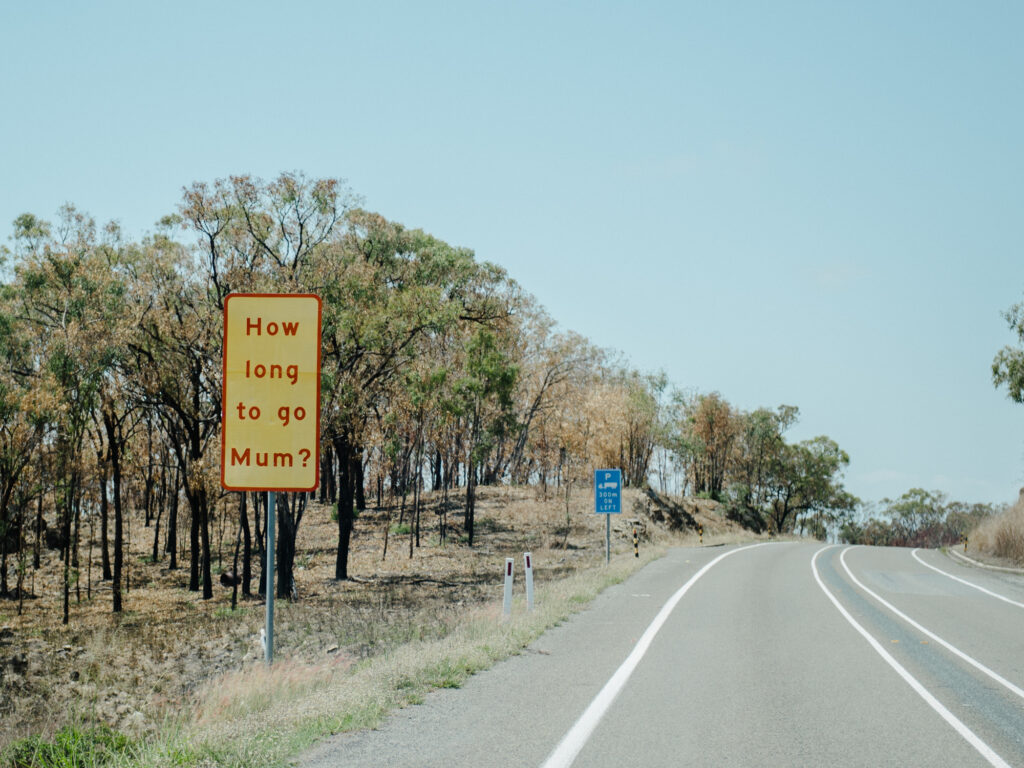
(1002, 535)
(71, 746)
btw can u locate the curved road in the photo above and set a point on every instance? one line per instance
(783, 654)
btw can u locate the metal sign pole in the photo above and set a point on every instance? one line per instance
(607, 539)
(268, 651)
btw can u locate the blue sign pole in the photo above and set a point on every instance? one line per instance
(607, 501)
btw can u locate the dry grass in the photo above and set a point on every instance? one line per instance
(346, 652)
(1002, 536)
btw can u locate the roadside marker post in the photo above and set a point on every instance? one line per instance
(270, 401)
(636, 543)
(608, 501)
(528, 562)
(508, 587)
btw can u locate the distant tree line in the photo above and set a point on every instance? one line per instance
(918, 518)
(439, 373)
(743, 459)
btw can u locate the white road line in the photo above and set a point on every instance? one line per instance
(972, 561)
(948, 646)
(571, 744)
(964, 581)
(982, 748)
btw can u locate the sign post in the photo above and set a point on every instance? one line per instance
(528, 563)
(268, 649)
(507, 604)
(608, 501)
(270, 422)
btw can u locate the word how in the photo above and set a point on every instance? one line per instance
(272, 329)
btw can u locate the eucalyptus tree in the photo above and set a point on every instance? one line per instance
(709, 434)
(177, 362)
(1008, 365)
(759, 441)
(482, 398)
(386, 289)
(72, 293)
(251, 236)
(22, 426)
(805, 480)
(549, 365)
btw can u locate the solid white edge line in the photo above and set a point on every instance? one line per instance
(980, 746)
(989, 592)
(972, 561)
(948, 646)
(576, 737)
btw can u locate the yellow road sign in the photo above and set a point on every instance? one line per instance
(271, 396)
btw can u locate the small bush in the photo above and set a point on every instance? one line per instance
(1002, 535)
(71, 747)
(334, 513)
(400, 529)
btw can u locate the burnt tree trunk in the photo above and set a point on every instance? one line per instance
(114, 454)
(343, 451)
(243, 514)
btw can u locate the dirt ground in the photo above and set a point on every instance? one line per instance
(154, 660)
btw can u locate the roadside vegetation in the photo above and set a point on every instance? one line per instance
(181, 681)
(918, 518)
(459, 424)
(1001, 537)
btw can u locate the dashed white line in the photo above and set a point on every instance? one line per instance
(576, 737)
(948, 646)
(964, 581)
(980, 746)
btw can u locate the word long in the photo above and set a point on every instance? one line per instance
(272, 371)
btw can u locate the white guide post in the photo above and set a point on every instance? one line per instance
(508, 586)
(528, 561)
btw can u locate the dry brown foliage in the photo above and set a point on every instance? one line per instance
(170, 651)
(1002, 536)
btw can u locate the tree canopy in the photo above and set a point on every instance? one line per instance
(438, 371)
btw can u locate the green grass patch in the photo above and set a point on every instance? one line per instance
(71, 747)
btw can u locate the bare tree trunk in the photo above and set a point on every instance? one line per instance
(243, 514)
(104, 524)
(204, 531)
(114, 453)
(193, 544)
(37, 552)
(172, 523)
(343, 452)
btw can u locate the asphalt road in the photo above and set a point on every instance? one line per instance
(775, 655)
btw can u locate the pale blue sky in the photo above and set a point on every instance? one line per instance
(813, 203)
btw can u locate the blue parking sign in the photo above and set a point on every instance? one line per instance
(607, 491)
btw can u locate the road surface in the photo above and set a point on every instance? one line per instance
(782, 654)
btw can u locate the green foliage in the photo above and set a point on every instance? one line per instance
(918, 518)
(71, 747)
(334, 513)
(401, 529)
(1008, 365)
